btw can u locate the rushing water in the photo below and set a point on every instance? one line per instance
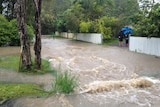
(91, 63)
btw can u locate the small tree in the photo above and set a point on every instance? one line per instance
(20, 8)
(151, 21)
(37, 45)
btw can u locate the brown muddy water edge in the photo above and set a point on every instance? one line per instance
(91, 63)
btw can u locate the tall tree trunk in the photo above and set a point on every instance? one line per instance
(37, 45)
(20, 10)
(153, 1)
(1, 7)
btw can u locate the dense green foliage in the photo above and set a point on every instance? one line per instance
(85, 26)
(147, 23)
(47, 23)
(47, 17)
(64, 83)
(4, 33)
(30, 12)
(14, 38)
(88, 16)
(105, 25)
(9, 32)
(105, 16)
(124, 10)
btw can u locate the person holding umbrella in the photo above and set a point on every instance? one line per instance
(127, 38)
(120, 37)
(127, 31)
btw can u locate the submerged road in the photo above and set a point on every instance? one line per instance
(90, 63)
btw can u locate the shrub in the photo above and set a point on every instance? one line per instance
(30, 32)
(15, 40)
(47, 23)
(9, 32)
(148, 25)
(4, 31)
(107, 26)
(85, 26)
(101, 28)
(14, 37)
(65, 83)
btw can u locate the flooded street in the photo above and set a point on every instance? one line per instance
(91, 63)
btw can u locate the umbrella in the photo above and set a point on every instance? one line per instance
(126, 30)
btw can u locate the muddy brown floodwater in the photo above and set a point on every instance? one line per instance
(90, 62)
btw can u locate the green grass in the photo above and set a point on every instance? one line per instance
(9, 62)
(45, 68)
(12, 62)
(64, 83)
(11, 90)
(113, 41)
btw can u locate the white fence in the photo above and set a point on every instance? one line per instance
(66, 35)
(145, 45)
(87, 37)
(90, 37)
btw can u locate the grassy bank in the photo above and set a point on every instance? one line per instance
(64, 82)
(9, 62)
(11, 90)
(12, 62)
